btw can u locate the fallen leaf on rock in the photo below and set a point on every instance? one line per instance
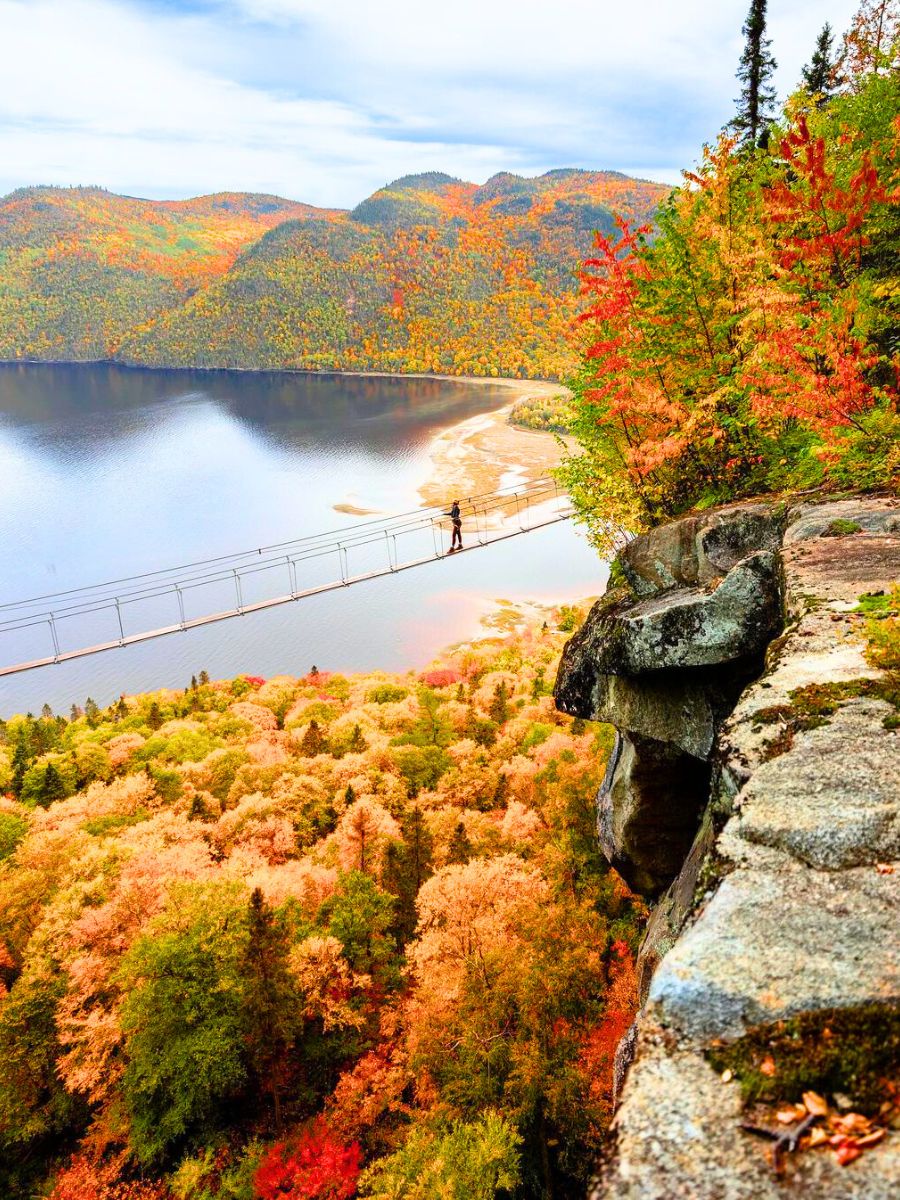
(853, 1123)
(727, 1076)
(847, 1153)
(787, 1116)
(815, 1104)
(817, 1136)
(871, 1139)
(885, 868)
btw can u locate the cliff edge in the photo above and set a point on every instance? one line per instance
(754, 795)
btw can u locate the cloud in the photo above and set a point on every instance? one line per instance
(324, 100)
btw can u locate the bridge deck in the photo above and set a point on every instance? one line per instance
(487, 518)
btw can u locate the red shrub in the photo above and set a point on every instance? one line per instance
(440, 678)
(314, 1167)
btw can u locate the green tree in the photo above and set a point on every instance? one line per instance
(474, 1160)
(34, 1105)
(499, 706)
(360, 916)
(92, 712)
(408, 863)
(53, 786)
(183, 1018)
(21, 761)
(313, 741)
(819, 74)
(756, 103)
(154, 716)
(269, 998)
(460, 849)
(357, 743)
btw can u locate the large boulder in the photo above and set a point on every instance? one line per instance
(700, 549)
(685, 627)
(665, 670)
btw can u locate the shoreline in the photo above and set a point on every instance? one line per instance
(473, 457)
(311, 372)
(483, 454)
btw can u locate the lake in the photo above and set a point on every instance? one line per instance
(108, 472)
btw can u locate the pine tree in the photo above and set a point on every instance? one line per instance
(52, 788)
(313, 741)
(204, 678)
(357, 743)
(92, 712)
(460, 849)
(819, 73)
(499, 708)
(20, 761)
(268, 999)
(154, 716)
(757, 66)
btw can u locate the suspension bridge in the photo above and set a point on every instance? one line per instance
(61, 626)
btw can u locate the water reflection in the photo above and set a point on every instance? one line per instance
(106, 472)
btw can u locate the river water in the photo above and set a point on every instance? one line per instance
(107, 472)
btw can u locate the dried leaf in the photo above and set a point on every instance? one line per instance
(847, 1153)
(817, 1136)
(787, 1116)
(815, 1104)
(885, 868)
(727, 1076)
(767, 1066)
(853, 1123)
(871, 1139)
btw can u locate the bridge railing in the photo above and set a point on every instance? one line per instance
(86, 620)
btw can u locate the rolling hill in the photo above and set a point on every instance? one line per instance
(428, 274)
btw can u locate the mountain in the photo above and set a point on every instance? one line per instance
(80, 267)
(429, 273)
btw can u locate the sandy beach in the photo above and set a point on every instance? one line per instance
(481, 454)
(485, 453)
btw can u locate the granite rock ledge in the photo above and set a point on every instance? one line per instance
(770, 845)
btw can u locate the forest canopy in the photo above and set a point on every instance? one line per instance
(311, 937)
(753, 344)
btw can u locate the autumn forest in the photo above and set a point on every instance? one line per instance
(317, 937)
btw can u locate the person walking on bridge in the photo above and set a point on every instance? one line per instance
(454, 515)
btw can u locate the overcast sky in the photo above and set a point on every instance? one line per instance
(326, 100)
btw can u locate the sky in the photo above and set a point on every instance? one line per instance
(326, 100)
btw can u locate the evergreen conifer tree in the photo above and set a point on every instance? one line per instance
(269, 1001)
(819, 73)
(20, 760)
(757, 66)
(499, 706)
(357, 743)
(313, 741)
(53, 786)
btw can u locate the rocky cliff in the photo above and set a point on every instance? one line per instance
(754, 795)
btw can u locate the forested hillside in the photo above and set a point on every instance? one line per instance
(80, 268)
(311, 938)
(428, 274)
